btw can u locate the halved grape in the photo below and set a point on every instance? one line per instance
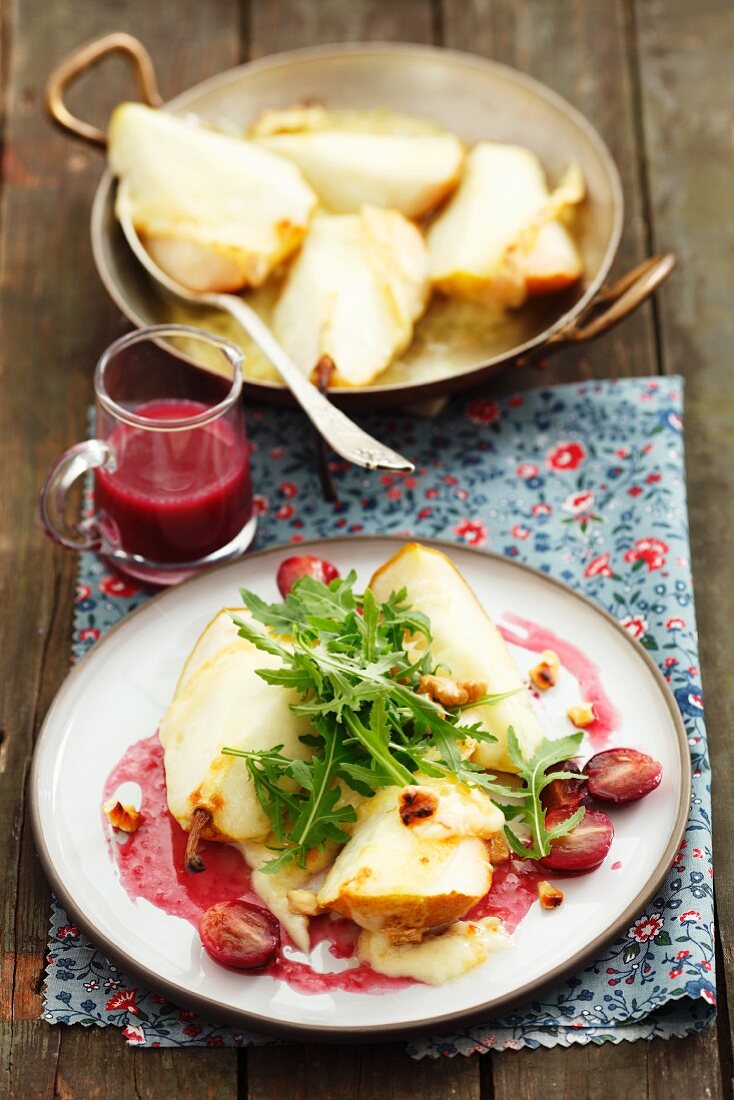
(239, 934)
(568, 793)
(622, 775)
(304, 565)
(584, 848)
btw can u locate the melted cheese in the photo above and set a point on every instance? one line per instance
(405, 880)
(437, 959)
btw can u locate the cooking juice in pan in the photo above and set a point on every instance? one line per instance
(175, 495)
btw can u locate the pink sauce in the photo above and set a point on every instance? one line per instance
(150, 864)
(537, 638)
(514, 890)
(150, 861)
(175, 495)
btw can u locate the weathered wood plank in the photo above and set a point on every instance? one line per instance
(55, 319)
(686, 82)
(383, 1072)
(99, 1065)
(579, 50)
(277, 25)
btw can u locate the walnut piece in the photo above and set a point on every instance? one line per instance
(416, 804)
(451, 693)
(550, 896)
(126, 818)
(582, 715)
(304, 903)
(545, 674)
(498, 849)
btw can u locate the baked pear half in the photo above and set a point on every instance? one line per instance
(379, 160)
(467, 644)
(491, 243)
(417, 859)
(221, 701)
(216, 212)
(353, 294)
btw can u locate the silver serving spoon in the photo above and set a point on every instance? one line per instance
(341, 433)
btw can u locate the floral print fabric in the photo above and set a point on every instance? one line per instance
(585, 482)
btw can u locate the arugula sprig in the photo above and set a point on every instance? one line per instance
(537, 772)
(345, 657)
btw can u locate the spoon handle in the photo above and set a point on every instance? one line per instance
(341, 433)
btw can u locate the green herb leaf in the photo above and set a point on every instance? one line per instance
(537, 774)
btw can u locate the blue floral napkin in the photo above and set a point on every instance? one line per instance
(583, 481)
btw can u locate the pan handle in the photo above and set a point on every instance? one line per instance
(87, 57)
(615, 303)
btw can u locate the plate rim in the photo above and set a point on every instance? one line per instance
(314, 1032)
(283, 58)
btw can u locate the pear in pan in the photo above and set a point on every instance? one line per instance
(353, 294)
(468, 644)
(216, 212)
(378, 160)
(221, 701)
(481, 247)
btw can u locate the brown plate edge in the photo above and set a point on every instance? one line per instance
(374, 1033)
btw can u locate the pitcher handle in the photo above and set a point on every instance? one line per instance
(72, 465)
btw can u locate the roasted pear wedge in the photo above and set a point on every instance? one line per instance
(379, 159)
(417, 859)
(218, 213)
(353, 294)
(221, 701)
(481, 246)
(467, 643)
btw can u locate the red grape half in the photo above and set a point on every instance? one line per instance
(239, 934)
(622, 775)
(304, 565)
(584, 848)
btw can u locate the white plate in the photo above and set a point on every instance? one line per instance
(117, 694)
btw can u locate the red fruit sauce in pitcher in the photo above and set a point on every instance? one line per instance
(175, 496)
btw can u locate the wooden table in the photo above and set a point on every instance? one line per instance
(657, 78)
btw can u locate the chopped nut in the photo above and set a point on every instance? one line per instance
(582, 715)
(303, 902)
(545, 674)
(451, 693)
(498, 849)
(416, 804)
(126, 818)
(467, 747)
(550, 896)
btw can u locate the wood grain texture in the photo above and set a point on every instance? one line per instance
(686, 80)
(656, 77)
(55, 319)
(383, 1072)
(581, 51)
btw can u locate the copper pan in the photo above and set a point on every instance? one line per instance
(456, 346)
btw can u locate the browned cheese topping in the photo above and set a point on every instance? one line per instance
(416, 804)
